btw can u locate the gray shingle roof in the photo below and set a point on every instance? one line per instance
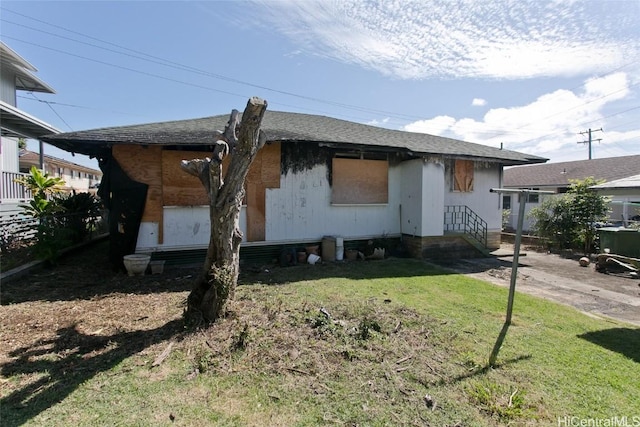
(285, 126)
(559, 174)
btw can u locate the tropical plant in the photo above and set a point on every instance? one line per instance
(81, 213)
(554, 220)
(50, 235)
(589, 208)
(40, 183)
(569, 221)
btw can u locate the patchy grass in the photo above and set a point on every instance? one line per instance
(393, 342)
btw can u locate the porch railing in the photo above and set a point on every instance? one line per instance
(462, 219)
(11, 190)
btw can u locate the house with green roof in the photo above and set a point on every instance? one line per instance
(316, 176)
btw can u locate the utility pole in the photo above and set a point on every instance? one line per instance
(590, 140)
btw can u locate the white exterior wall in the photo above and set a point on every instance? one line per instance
(184, 227)
(484, 203)
(8, 87)
(422, 198)
(10, 155)
(621, 210)
(527, 223)
(301, 210)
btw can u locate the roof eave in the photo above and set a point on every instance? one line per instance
(17, 123)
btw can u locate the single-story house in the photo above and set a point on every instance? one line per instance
(555, 177)
(316, 176)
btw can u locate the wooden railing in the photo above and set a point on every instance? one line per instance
(462, 219)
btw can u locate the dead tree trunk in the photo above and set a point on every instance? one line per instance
(219, 277)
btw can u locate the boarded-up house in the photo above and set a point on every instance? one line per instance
(316, 176)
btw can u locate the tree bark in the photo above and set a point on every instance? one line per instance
(219, 277)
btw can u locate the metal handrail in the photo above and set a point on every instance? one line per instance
(462, 219)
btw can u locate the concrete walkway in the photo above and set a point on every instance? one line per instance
(562, 280)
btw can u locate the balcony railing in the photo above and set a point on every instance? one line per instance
(11, 190)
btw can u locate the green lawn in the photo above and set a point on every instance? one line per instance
(405, 344)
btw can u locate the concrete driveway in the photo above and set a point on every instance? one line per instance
(561, 279)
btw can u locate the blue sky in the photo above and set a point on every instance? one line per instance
(528, 74)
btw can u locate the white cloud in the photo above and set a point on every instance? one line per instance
(479, 39)
(436, 126)
(549, 126)
(479, 102)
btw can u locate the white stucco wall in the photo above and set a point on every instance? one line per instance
(301, 209)
(527, 223)
(422, 198)
(184, 227)
(484, 203)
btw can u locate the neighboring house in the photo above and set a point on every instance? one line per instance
(555, 177)
(625, 194)
(16, 74)
(77, 178)
(316, 176)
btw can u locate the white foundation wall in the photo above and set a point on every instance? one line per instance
(484, 203)
(301, 209)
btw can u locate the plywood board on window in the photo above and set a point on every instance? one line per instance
(357, 181)
(463, 175)
(180, 188)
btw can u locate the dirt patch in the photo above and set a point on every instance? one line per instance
(560, 278)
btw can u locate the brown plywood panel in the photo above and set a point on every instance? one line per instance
(143, 165)
(180, 188)
(270, 165)
(255, 212)
(255, 171)
(463, 175)
(357, 181)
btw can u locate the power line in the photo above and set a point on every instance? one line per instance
(62, 104)
(54, 111)
(164, 62)
(171, 64)
(579, 124)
